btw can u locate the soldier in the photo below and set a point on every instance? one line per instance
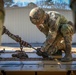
(73, 7)
(2, 15)
(57, 29)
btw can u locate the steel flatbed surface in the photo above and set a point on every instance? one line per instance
(35, 65)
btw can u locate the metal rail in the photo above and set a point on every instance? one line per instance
(31, 59)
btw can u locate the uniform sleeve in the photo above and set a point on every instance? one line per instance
(53, 29)
(43, 29)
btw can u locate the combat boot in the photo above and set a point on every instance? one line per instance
(67, 57)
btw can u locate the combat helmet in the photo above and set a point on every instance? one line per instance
(36, 15)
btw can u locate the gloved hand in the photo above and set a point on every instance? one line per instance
(39, 52)
(43, 54)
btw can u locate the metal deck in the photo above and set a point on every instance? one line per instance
(35, 65)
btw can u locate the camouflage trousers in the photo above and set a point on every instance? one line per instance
(1, 24)
(66, 31)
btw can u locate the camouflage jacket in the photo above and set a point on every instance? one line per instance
(51, 25)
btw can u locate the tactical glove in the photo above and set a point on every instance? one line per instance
(43, 54)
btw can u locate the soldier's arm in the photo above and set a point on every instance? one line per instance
(53, 28)
(43, 29)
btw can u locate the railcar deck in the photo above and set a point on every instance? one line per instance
(35, 65)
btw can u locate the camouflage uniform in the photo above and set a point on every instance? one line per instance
(58, 33)
(73, 7)
(2, 14)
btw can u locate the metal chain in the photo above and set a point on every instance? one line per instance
(21, 47)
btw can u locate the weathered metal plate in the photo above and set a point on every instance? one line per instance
(29, 66)
(35, 63)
